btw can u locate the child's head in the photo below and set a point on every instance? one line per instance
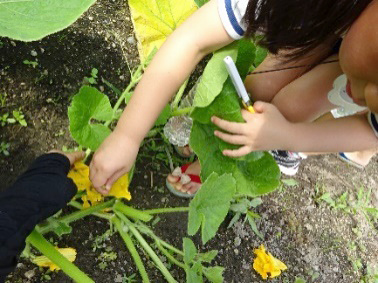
(359, 58)
(300, 25)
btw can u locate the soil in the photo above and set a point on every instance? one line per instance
(318, 243)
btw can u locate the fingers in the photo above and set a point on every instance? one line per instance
(98, 178)
(75, 156)
(244, 150)
(113, 179)
(72, 156)
(231, 127)
(232, 139)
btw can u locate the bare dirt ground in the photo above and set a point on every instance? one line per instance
(317, 242)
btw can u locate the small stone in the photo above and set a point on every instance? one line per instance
(101, 88)
(122, 78)
(114, 45)
(131, 40)
(236, 251)
(13, 43)
(33, 53)
(90, 18)
(42, 50)
(237, 241)
(29, 274)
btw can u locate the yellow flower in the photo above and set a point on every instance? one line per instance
(265, 263)
(80, 175)
(42, 261)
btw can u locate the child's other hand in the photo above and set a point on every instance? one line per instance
(267, 129)
(72, 156)
(114, 158)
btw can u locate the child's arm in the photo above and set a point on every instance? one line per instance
(37, 194)
(268, 130)
(201, 34)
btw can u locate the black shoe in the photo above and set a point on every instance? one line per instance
(287, 161)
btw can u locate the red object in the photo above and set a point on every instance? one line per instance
(193, 178)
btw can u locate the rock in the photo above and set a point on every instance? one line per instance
(29, 274)
(118, 278)
(33, 53)
(237, 241)
(131, 40)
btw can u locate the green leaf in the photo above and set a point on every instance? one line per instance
(214, 76)
(290, 182)
(210, 205)
(214, 274)
(190, 251)
(299, 280)
(164, 116)
(200, 3)
(254, 227)
(207, 257)
(254, 177)
(193, 274)
(255, 202)
(87, 105)
(34, 19)
(260, 55)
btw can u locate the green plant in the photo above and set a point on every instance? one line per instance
(31, 63)
(92, 79)
(33, 20)
(3, 99)
(4, 148)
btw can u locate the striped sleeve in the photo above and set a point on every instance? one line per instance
(231, 13)
(373, 121)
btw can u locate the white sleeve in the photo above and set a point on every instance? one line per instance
(373, 121)
(231, 13)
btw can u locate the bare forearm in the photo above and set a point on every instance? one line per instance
(344, 134)
(201, 34)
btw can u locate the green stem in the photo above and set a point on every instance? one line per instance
(46, 248)
(172, 248)
(148, 249)
(179, 95)
(135, 78)
(131, 212)
(146, 230)
(130, 245)
(103, 215)
(182, 111)
(166, 210)
(168, 255)
(78, 214)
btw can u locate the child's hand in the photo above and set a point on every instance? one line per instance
(114, 158)
(72, 156)
(265, 130)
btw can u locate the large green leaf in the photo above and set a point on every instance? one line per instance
(255, 175)
(214, 76)
(210, 205)
(34, 19)
(89, 105)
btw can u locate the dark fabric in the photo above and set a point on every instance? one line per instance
(37, 194)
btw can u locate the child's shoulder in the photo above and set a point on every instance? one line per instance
(231, 13)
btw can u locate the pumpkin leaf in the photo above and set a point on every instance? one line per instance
(155, 20)
(30, 20)
(86, 107)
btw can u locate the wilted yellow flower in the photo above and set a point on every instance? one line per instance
(80, 175)
(265, 263)
(42, 261)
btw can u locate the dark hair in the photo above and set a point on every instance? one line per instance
(300, 25)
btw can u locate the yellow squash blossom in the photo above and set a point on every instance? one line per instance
(42, 261)
(80, 175)
(266, 264)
